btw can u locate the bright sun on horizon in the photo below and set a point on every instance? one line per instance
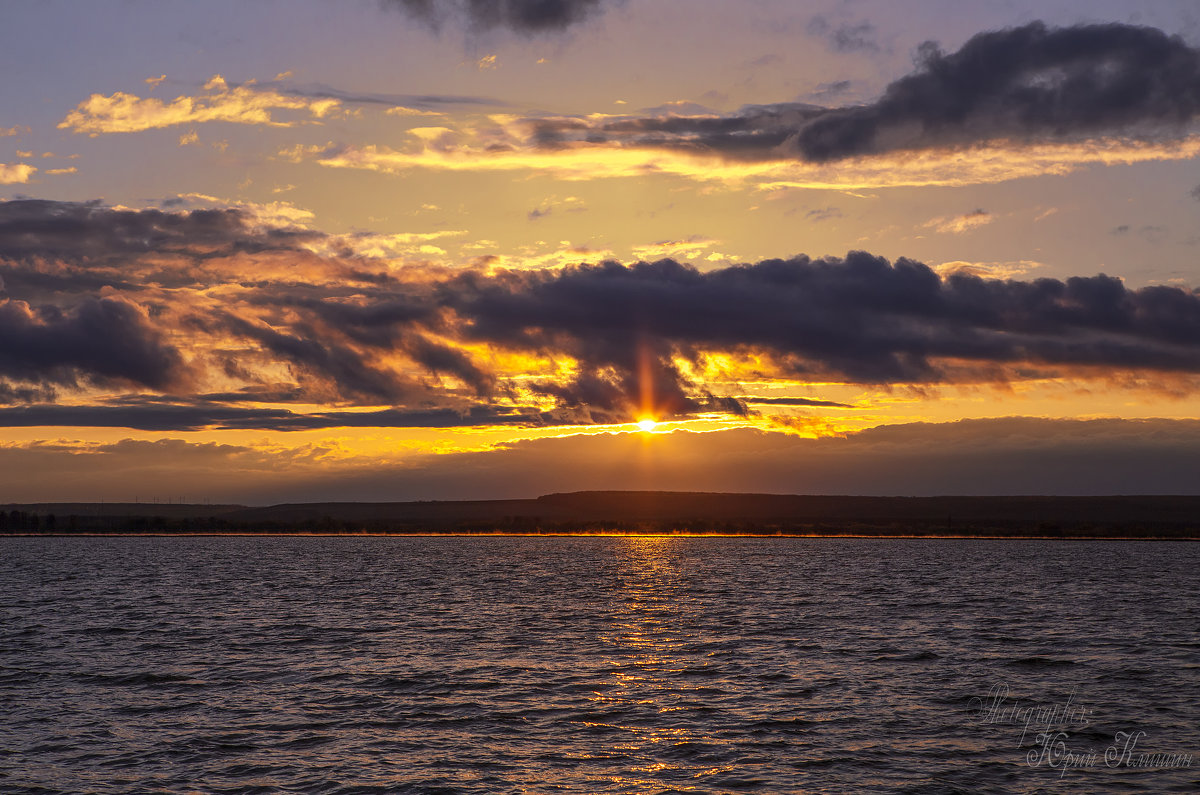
(647, 425)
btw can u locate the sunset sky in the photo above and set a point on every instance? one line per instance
(291, 250)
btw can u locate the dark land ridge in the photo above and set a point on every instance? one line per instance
(641, 512)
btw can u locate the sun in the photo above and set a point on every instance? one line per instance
(647, 425)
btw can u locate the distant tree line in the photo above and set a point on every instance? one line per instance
(28, 521)
(19, 522)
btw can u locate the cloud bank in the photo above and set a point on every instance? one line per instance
(236, 305)
(1011, 103)
(1026, 83)
(1003, 456)
(1021, 85)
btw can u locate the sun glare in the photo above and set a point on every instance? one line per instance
(647, 425)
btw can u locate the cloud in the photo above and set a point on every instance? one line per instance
(1151, 233)
(576, 148)
(325, 357)
(998, 457)
(37, 393)
(571, 204)
(522, 16)
(958, 224)
(684, 248)
(1026, 83)
(240, 104)
(859, 319)
(791, 401)
(153, 416)
(988, 270)
(39, 229)
(1005, 456)
(104, 339)
(16, 173)
(224, 297)
(1012, 103)
(831, 89)
(394, 104)
(401, 110)
(823, 214)
(1023, 85)
(846, 36)
(1001, 456)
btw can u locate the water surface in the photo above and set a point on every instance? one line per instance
(597, 665)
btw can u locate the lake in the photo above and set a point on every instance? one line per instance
(597, 665)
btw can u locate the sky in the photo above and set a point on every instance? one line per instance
(298, 250)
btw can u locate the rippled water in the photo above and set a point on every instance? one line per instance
(595, 665)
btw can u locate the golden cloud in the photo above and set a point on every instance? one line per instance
(501, 146)
(244, 104)
(17, 173)
(691, 247)
(958, 224)
(988, 270)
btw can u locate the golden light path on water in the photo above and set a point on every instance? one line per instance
(648, 658)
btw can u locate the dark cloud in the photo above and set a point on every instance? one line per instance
(37, 229)
(792, 401)
(158, 416)
(1151, 233)
(419, 101)
(823, 214)
(1031, 83)
(100, 339)
(755, 132)
(635, 335)
(325, 356)
(522, 16)
(11, 393)
(845, 36)
(860, 318)
(831, 89)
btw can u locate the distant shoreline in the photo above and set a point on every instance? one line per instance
(762, 536)
(639, 513)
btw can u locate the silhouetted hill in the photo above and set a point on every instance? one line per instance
(676, 505)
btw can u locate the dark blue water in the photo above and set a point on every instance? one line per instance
(597, 665)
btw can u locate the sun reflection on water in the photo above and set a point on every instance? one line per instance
(655, 709)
